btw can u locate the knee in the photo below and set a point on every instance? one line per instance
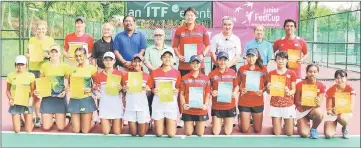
(105, 133)
(158, 134)
(304, 134)
(117, 132)
(244, 130)
(189, 133)
(258, 130)
(28, 130)
(228, 132)
(133, 134)
(141, 134)
(46, 127)
(171, 135)
(276, 132)
(289, 133)
(85, 131)
(76, 130)
(216, 132)
(17, 130)
(200, 134)
(328, 135)
(61, 128)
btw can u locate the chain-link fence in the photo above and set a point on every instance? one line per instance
(334, 40)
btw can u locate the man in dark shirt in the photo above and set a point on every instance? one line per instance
(103, 45)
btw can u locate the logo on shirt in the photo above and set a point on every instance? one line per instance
(288, 76)
(296, 44)
(281, 45)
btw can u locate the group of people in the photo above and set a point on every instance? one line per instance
(93, 63)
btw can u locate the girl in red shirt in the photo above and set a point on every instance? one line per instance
(308, 113)
(282, 107)
(223, 109)
(251, 101)
(194, 114)
(343, 118)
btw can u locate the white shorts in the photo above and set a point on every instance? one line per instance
(283, 112)
(111, 108)
(137, 116)
(169, 114)
(303, 114)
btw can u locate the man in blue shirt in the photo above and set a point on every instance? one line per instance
(264, 47)
(128, 43)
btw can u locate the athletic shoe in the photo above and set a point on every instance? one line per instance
(345, 134)
(314, 134)
(37, 122)
(180, 123)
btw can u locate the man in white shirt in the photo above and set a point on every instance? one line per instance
(228, 42)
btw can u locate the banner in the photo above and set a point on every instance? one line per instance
(244, 34)
(158, 10)
(248, 14)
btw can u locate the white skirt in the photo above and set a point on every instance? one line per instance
(111, 107)
(283, 112)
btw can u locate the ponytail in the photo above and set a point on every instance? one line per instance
(259, 61)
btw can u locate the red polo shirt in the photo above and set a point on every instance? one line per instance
(298, 43)
(228, 76)
(251, 99)
(197, 36)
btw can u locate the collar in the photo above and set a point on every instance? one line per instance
(219, 72)
(199, 75)
(135, 32)
(186, 27)
(256, 68)
(111, 40)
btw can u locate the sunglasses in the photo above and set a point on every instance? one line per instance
(156, 35)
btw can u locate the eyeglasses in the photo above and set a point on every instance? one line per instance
(158, 35)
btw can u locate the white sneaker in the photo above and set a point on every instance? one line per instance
(37, 122)
(180, 123)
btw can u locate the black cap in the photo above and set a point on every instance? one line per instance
(79, 18)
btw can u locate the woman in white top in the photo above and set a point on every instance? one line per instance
(136, 108)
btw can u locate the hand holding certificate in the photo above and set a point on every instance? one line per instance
(112, 85)
(278, 85)
(309, 94)
(22, 95)
(43, 86)
(76, 87)
(343, 102)
(253, 79)
(293, 56)
(196, 97)
(135, 82)
(225, 90)
(165, 91)
(189, 50)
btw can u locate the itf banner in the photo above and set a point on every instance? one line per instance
(244, 34)
(158, 10)
(248, 14)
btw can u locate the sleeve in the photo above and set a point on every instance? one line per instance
(299, 86)
(147, 56)
(214, 44)
(270, 52)
(239, 76)
(93, 70)
(265, 76)
(42, 68)
(90, 44)
(238, 46)
(9, 78)
(206, 41)
(329, 93)
(322, 88)
(182, 85)
(275, 46)
(235, 81)
(304, 46)
(94, 51)
(143, 41)
(178, 82)
(293, 76)
(150, 81)
(66, 43)
(176, 39)
(208, 86)
(116, 43)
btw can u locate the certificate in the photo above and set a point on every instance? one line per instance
(253, 79)
(293, 56)
(309, 94)
(189, 51)
(73, 47)
(112, 85)
(35, 53)
(225, 90)
(343, 102)
(278, 84)
(196, 97)
(22, 95)
(43, 86)
(76, 87)
(135, 81)
(165, 91)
